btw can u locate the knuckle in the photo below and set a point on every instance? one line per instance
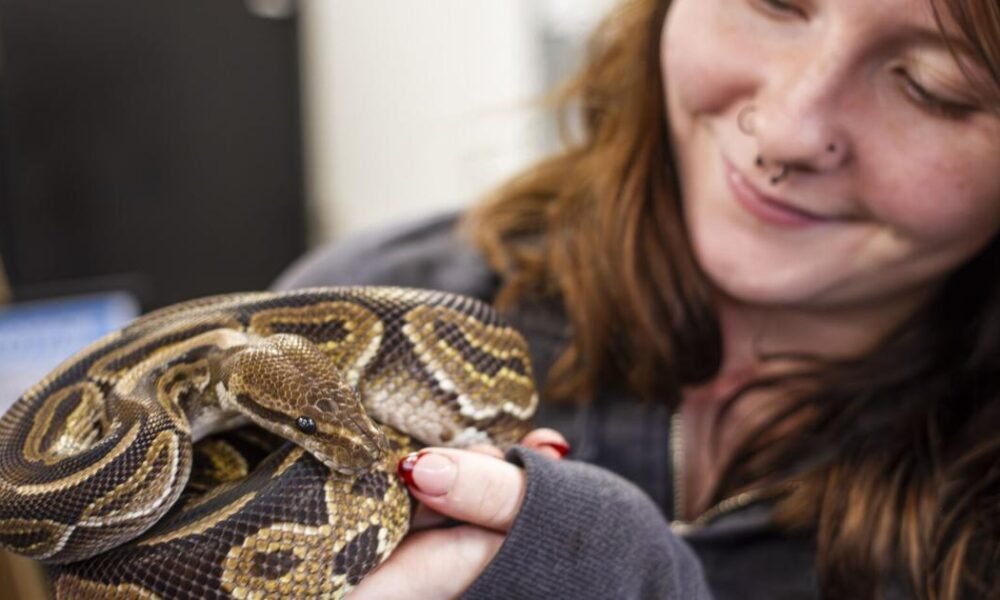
(498, 501)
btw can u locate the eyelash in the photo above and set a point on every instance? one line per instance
(931, 103)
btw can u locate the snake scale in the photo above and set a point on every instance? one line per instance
(245, 445)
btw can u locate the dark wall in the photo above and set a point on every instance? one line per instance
(155, 143)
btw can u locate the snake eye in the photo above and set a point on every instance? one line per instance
(306, 425)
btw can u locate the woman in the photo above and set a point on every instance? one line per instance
(772, 256)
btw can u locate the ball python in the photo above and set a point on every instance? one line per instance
(126, 467)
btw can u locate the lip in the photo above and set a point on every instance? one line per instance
(768, 208)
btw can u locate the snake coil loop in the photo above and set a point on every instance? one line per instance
(244, 446)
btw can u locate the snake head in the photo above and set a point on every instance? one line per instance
(284, 384)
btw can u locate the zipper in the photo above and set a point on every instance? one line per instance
(724, 507)
(677, 462)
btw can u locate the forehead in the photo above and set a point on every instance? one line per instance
(912, 19)
(899, 26)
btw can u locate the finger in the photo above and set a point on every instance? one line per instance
(467, 486)
(425, 518)
(486, 449)
(441, 563)
(549, 442)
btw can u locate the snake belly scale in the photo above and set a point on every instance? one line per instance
(244, 446)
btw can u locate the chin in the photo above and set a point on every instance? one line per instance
(748, 267)
(743, 279)
(759, 293)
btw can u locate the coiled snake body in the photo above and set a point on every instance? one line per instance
(112, 469)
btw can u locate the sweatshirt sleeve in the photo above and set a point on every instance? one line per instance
(584, 532)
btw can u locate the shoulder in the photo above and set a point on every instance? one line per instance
(428, 253)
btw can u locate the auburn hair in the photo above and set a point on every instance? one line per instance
(895, 463)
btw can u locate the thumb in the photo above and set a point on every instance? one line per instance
(468, 486)
(441, 563)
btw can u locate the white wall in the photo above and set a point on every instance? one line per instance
(413, 106)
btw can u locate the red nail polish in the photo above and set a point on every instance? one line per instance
(405, 468)
(561, 448)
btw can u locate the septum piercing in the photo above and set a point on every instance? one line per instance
(783, 169)
(745, 122)
(775, 179)
(781, 174)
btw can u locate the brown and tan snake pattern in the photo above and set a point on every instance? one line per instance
(244, 446)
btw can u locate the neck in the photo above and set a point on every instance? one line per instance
(752, 334)
(760, 342)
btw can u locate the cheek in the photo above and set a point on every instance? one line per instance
(934, 182)
(705, 60)
(942, 207)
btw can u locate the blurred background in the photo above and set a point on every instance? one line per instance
(168, 149)
(161, 150)
(177, 148)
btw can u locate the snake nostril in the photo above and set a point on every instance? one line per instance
(306, 425)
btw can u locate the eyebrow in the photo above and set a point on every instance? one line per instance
(968, 59)
(944, 39)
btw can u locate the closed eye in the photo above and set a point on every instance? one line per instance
(932, 103)
(781, 7)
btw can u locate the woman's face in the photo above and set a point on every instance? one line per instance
(893, 159)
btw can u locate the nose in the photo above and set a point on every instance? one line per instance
(796, 119)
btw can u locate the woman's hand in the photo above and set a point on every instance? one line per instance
(475, 486)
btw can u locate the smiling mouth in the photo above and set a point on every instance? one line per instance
(770, 209)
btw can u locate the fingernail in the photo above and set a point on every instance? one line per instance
(561, 448)
(428, 472)
(405, 469)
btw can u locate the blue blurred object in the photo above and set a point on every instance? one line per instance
(36, 336)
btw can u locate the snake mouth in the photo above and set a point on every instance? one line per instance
(374, 445)
(370, 431)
